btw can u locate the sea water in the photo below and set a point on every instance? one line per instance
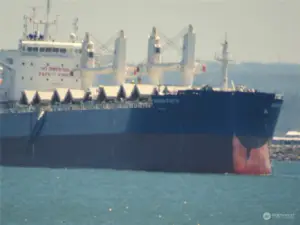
(90, 196)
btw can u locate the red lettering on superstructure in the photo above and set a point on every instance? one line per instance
(54, 71)
(44, 74)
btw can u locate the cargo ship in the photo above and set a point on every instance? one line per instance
(53, 116)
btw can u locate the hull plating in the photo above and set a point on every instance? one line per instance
(206, 132)
(161, 152)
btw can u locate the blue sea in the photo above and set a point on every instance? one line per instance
(76, 197)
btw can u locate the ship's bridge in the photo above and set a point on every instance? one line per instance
(50, 47)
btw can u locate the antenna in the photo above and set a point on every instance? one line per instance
(33, 17)
(30, 19)
(25, 26)
(224, 59)
(56, 23)
(47, 23)
(46, 31)
(75, 26)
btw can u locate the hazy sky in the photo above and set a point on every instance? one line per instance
(258, 30)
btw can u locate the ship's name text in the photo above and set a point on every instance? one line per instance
(166, 101)
(54, 71)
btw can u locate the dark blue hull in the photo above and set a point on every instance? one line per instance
(149, 152)
(201, 132)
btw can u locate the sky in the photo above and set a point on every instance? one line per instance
(257, 30)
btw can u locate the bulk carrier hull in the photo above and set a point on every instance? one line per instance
(193, 131)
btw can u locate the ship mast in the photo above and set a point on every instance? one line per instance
(75, 28)
(33, 17)
(47, 23)
(224, 59)
(46, 28)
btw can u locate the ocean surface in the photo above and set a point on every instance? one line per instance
(76, 197)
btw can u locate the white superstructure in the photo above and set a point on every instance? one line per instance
(43, 64)
(40, 62)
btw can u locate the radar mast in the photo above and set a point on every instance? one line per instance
(36, 23)
(224, 59)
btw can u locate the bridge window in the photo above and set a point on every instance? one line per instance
(29, 49)
(78, 51)
(56, 50)
(48, 49)
(42, 49)
(62, 50)
(35, 49)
